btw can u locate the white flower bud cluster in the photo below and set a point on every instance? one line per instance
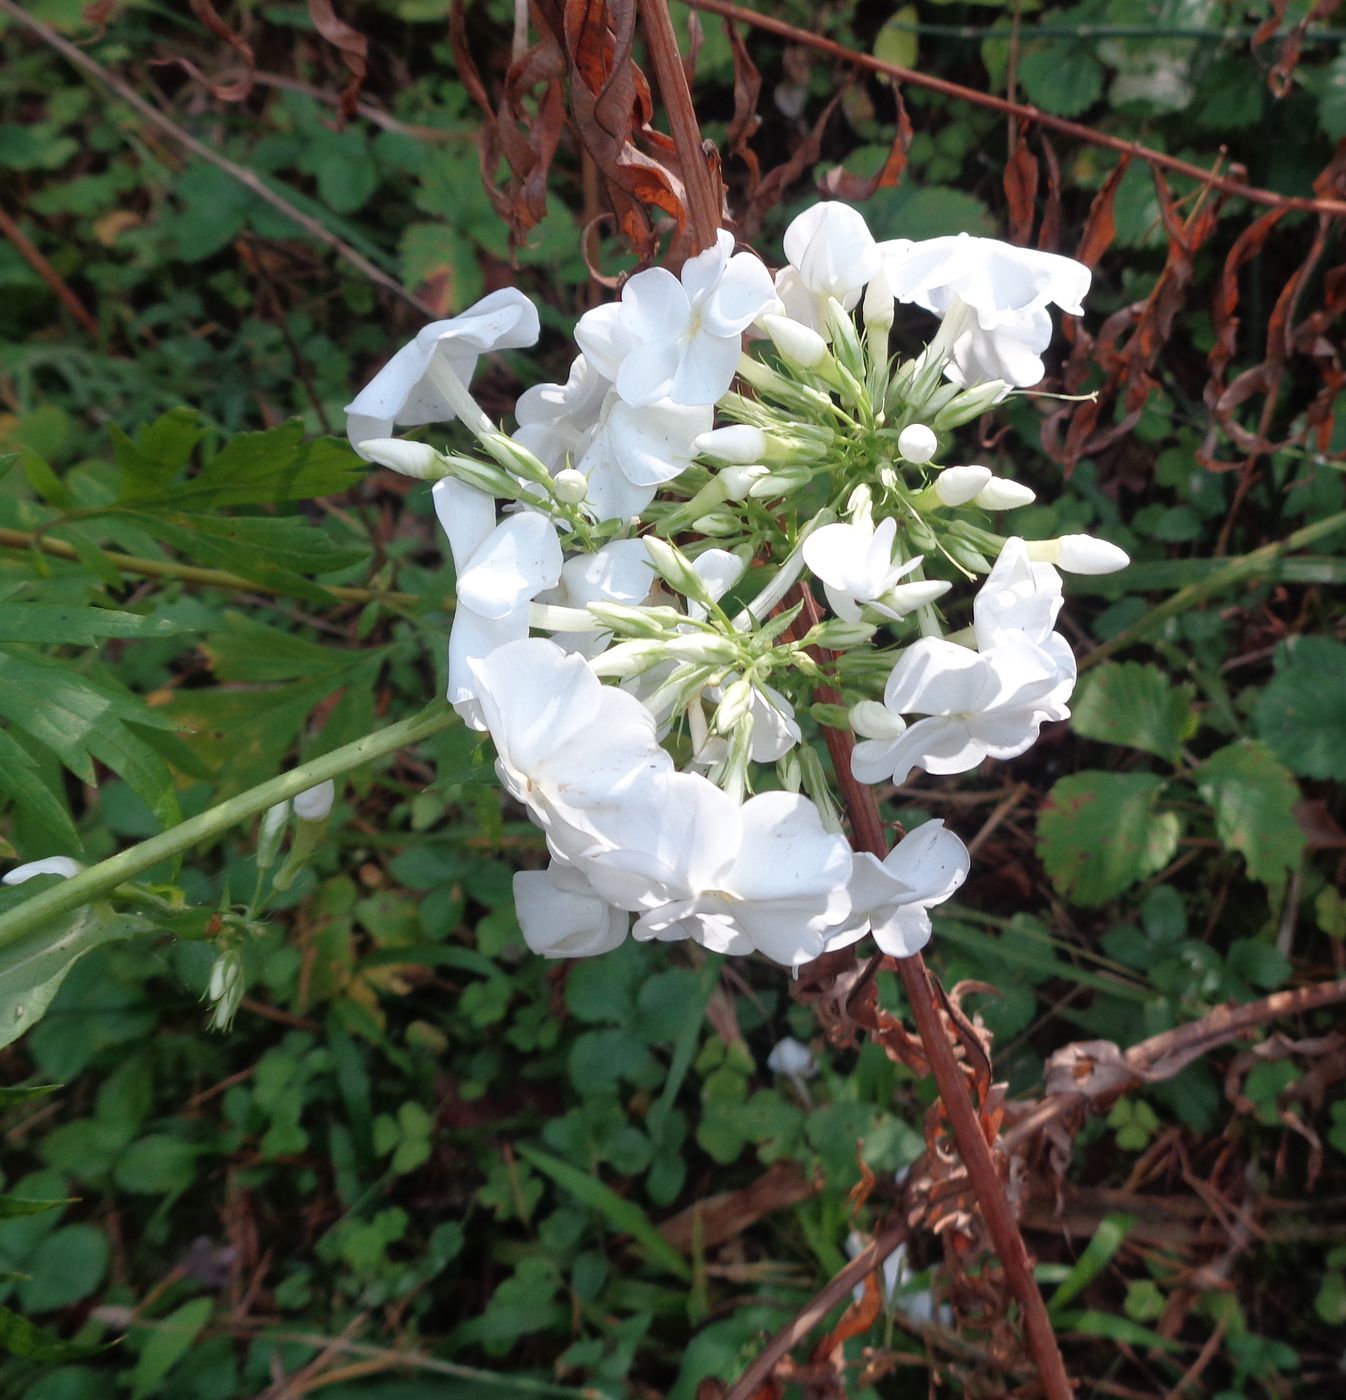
(640, 630)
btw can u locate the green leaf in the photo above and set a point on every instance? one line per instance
(167, 1345)
(19, 1337)
(12, 1206)
(33, 967)
(1253, 797)
(1302, 713)
(1136, 705)
(38, 802)
(896, 41)
(157, 1165)
(1063, 80)
(49, 625)
(67, 1266)
(1099, 833)
(621, 1214)
(271, 467)
(1107, 1240)
(25, 1093)
(159, 452)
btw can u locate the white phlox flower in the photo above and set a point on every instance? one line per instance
(426, 381)
(575, 752)
(561, 916)
(624, 452)
(678, 337)
(855, 563)
(793, 1059)
(1018, 597)
(892, 898)
(518, 559)
(620, 572)
(1009, 352)
(765, 875)
(64, 866)
(775, 731)
(831, 255)
(976, 707)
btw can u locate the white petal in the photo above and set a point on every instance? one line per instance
(786, 850)
(563, 917)
(647, 373)
(655, 306)
(605, 338)
(706, 370)
(520, 558)
(467, 517)
(739, 298)
(701, 274)
(935, 677)
(63, 866)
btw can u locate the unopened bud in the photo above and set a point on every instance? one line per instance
(416, 459)
(956, 486)
(917, 443)
(878, 304)
(836, 634)
(845, 342)
(1079, 554)
(780, 482)
(831, 716)
(874, 720)
(798, 344)
(516, 459)
(64, 866)
(965, 554)
(483, 476)
(717, 523)
(1001, 494)
(702, 646)
(314, 804)
(570, 486)
(739, 443)
(674, 567)
(734, 704)
(737, 482)
(971, 403)
(629, 659)
(632, 621)
(269, 834)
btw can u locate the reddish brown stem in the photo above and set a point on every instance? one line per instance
(32, 255)
(702, 206)
(867, 834)
(783, 29)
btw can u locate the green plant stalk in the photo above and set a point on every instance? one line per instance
(1228, 574)
(191, 573)
(99, 879)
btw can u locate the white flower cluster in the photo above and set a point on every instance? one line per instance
(660, 517)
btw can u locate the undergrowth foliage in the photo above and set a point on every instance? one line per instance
(412, 1156)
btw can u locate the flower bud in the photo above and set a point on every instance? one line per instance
(570, 486)
(313, 804)
(416, 459)
(516, 459)
(874, 720)
(780, 482)
(845, 342)
(632, 621)
(717, 522)
(793, 1060)
(836, 634)
(878, 304)
(63, 866)
(966, 555)
(917, 443)
(482, 476)
(674, 567)
(1079, 554)
(226, 987)
(904, 598)
(739, 443)
(738, 481)
(799, 345)
(734, 704)
(1001, 494)
(702, 646)
(970, 403)
(956, 486)
(629, 659)
(269, 834)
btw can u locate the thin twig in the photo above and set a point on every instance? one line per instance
(1253, 193)
(376, 115)
(32, 255)
(201, 151)
(864, 1263)
(923, 998)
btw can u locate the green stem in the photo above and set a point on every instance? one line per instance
(1229, 573)
(190, 573)
(99, 879)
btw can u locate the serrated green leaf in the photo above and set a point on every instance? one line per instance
(38, 803)
(1253, 797)
(1063, 81)
(1126, 702)
(270, 467)
(1099, 833)
(47, 624)
(159, 452)
(1301, 715)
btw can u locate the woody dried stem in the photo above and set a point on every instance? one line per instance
(919, 985)
(702, 205)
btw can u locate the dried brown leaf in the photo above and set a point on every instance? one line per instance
(353, 46)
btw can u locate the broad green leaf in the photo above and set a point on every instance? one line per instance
(33, 967)
(620, 1213)
(168, 1343)
(19, 1337)
(896, 40)
(1127, 702)
(1062, 80)
(1099, 833)
(1302, 713)
(38, 801)
(270, 467)
(159, 452)
(49, 625)
(67, 1266)
(1253, 797)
